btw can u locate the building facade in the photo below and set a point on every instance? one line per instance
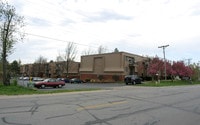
(110, 67)
(107, 67)
(51, 69)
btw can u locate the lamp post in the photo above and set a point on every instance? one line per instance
(163, 47)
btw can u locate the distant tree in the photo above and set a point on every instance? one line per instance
(181, 70)
(196, 71)
(88, 52)
(68, 57)
(15, 68)
(101, 49)
(41, 60)
(59, 58)
(116, 50)
(10, 25)
(39, 65)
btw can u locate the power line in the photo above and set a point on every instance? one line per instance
(50, 38)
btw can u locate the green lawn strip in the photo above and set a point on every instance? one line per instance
(169, 83)
(20, 90)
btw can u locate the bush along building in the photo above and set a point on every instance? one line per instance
(107, 67)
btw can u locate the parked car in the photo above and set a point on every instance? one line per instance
(76, 80)
(66, 80)
(49, 83)
(26, 78)
(37, 79)
(133, 79)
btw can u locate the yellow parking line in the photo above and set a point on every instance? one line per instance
(101, 105)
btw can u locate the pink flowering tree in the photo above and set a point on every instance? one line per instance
(181, 70)
(155, 67)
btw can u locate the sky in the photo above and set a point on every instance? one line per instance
(133, 26)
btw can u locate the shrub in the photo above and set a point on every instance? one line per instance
(115, 78)
(14, 82)
(87, 80)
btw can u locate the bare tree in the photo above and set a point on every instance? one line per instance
(59, 58)
(39, 65)
(102, 49)
(88, 52)
(68, 57)
(10, 24)
(41, 60)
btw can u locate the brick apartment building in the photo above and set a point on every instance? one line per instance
(111, 67)
(51, 69)
(107, 67)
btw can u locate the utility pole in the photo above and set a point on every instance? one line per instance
(188, 61)
(163, 47)
(198, 70)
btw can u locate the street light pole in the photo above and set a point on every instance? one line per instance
(163, 47)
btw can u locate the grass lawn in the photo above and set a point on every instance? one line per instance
(169, 83)
(19, 90)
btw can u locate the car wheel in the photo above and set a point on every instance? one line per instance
(59, 86)
(43, 86)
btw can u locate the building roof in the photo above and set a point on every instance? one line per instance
(122, 52)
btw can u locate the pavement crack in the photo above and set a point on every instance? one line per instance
(12, 123)
(34, 107)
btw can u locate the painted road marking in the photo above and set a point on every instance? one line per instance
(109, 104)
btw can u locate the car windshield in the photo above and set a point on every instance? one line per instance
(46, 80)
(134, 76)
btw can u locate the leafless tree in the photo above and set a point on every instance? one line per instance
(102, 49)
(88, 51)
(41, 60)
(39, 65)
(69, 57)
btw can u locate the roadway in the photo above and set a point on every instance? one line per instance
(121, 105)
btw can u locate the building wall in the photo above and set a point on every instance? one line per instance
(108, 67)
(51, 69)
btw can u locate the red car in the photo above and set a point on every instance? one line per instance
(49, 83)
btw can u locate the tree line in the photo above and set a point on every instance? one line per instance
(176, 68)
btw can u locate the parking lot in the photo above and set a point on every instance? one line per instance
(73, 86)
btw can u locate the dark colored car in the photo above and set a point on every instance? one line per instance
(66, 80)
(49, 83)
(76, 80)
(133, 79)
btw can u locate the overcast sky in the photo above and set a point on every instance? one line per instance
(133, 26)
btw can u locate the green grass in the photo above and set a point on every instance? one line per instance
(168, 83)
(19, 90)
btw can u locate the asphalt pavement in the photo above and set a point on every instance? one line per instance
(122, 105)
